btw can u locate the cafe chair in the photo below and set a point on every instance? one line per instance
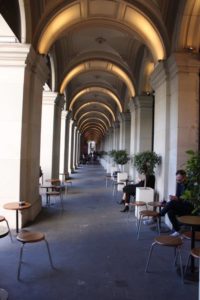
(167, 241)
(188, 235)
(138, 205)
(148, 213)
(27, 237)
(3, 219)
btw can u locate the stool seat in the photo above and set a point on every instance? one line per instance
(169, 241)
(149, 213)
(195, 252)
(188, 235)
(30, 237)
(138, 203)
(3, 219)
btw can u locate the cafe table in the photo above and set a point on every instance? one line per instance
(17, 206)
(194, 223)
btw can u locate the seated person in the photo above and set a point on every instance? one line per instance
(177, 206)
(130, 190)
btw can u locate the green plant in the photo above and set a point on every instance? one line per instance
(111, 153)
(192, 168)
(121, 157)
(145, 162)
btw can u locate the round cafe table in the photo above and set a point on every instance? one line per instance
(17, 206)
(194, 222)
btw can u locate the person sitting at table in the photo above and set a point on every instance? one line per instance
(130, 190)
(176, 206)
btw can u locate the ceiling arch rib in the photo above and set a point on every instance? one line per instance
(93, 112)
(99, 90)
(98, 120)
(116, 12)
(91, 126)
(101, 65)
(103, 105)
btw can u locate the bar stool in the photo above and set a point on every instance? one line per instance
(3, 219)
(148, 213)
(26, 237)
(3, 293)
(167, 241)
(137, 204)
(54, 194)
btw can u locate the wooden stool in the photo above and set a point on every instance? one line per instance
(31, 237)
(3, 219)
(148, 213)
(188, 235)
(54, 194)
(167, 241)
(138, 204)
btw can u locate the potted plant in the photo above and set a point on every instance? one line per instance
(145, 163)
(192, 168)
(121, 157)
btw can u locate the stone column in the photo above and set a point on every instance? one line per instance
(62, 141)
(12, 69)
(116, 126)
(125, 122)
(46, 149)
(75, 147)
(176, 123)
(59, 105)
(72, 147)
(67, 140)
(36, 74)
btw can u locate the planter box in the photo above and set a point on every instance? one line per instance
(146, 195)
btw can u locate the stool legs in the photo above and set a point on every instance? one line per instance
(21, 254)
(140, 222)
(177, 253)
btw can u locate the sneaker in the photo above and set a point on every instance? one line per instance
(175, 233)
(148, 222)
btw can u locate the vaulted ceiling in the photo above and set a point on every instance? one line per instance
(102, 52)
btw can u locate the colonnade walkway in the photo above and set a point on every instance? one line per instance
(95, 252)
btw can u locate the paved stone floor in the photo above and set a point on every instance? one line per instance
(95, 252)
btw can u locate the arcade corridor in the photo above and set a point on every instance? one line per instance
(95, 252)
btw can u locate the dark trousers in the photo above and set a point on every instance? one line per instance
(176, 208)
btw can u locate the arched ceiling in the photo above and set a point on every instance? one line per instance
(103, 52)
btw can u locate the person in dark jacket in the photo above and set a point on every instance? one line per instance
(176, 206)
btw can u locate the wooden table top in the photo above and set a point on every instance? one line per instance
(156, 204)
(53, 180)
(16, 205)
(190, 220)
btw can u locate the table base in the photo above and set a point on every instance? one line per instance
(3, 294)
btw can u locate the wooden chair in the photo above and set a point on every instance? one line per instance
(167, 241)
(136, 205)
(26, 237)
(3, 219)
(148, 213)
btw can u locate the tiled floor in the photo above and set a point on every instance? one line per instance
(95, 251)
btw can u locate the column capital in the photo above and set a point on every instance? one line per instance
(49, 97)
(14, 55)
(37, 64)
(125, 116)
(60, 101)
(116, 124)
(144, 101)
(183, 63)
(159, 75)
